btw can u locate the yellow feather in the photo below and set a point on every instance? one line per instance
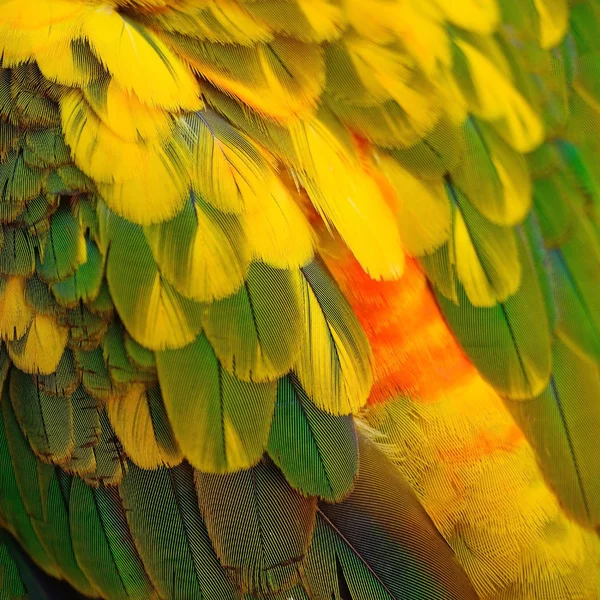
(325, 18)
(471, 273)
(554, 21)
(40, 351)
(350, 200)
(131, 419)
(129, 118)
(142, 182)
(37, 28)
(337, 391)
(140, 62)
(223, 21)
(278, 232)
(229, 169)
(412, 23)
(59, 65)
(481, 16)
(497, 100)
(207, 263)
(281, 80)
(15, 314)
(388, 73)
(425, 216)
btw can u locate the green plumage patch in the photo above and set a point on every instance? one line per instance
(261, 528)
(316, 451)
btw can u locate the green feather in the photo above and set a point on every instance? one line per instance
(17, 254)
(103, 544)
(95, 379)
(317, 452)
(509, 343)
(43, 503)
(562, 425)
(575, 275)
(64, 380)
(40, 299)
(120, 368)
(45, 419)
(480, 179)
(86, 329)
(260, 527)
(12, 586)
(13, 514)
(136, 283)
(139, 356)
(231, 417)
(64, 249)
(108, 454)
(84, 284)
(255, 332)
(87, 433)
(385, 544)
(170, 535)
(49, 145)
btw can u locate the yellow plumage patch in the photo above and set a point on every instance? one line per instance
(493, 97)
(15, 314)
(424, 213)
(143, 182)
(348, 199)
(40, 350)
(140, 62)
(131, 418)
(554, 21)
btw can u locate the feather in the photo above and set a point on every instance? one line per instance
(84, 284)
(491, 96)
(232, 417)
(331, 176)
(254, 333)
(12, 586)
(316, 452)
(506, 342)
(280, 79)
(102, 543)
(87, 432)
(202, 242)
(43, 503)
(108, 455)
(15, 314)
(425, 216)
(170, 535)
(153, 312)
(561, 425)
(39, 351)
(65, 248)
(64, 380)
(13, 514)
(139, 420)
(46, 420)
(333, 364)
(140, 61)
(493, 176)
(261, 529)
(380, 557)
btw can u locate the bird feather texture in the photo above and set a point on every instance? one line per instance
(299, 299)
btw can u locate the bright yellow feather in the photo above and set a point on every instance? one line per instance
(15, 314)
(348, 199)
(41, 349)
(140, 61)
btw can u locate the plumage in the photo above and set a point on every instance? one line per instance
(299, 299)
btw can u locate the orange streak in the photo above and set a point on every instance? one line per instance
(415, 352)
